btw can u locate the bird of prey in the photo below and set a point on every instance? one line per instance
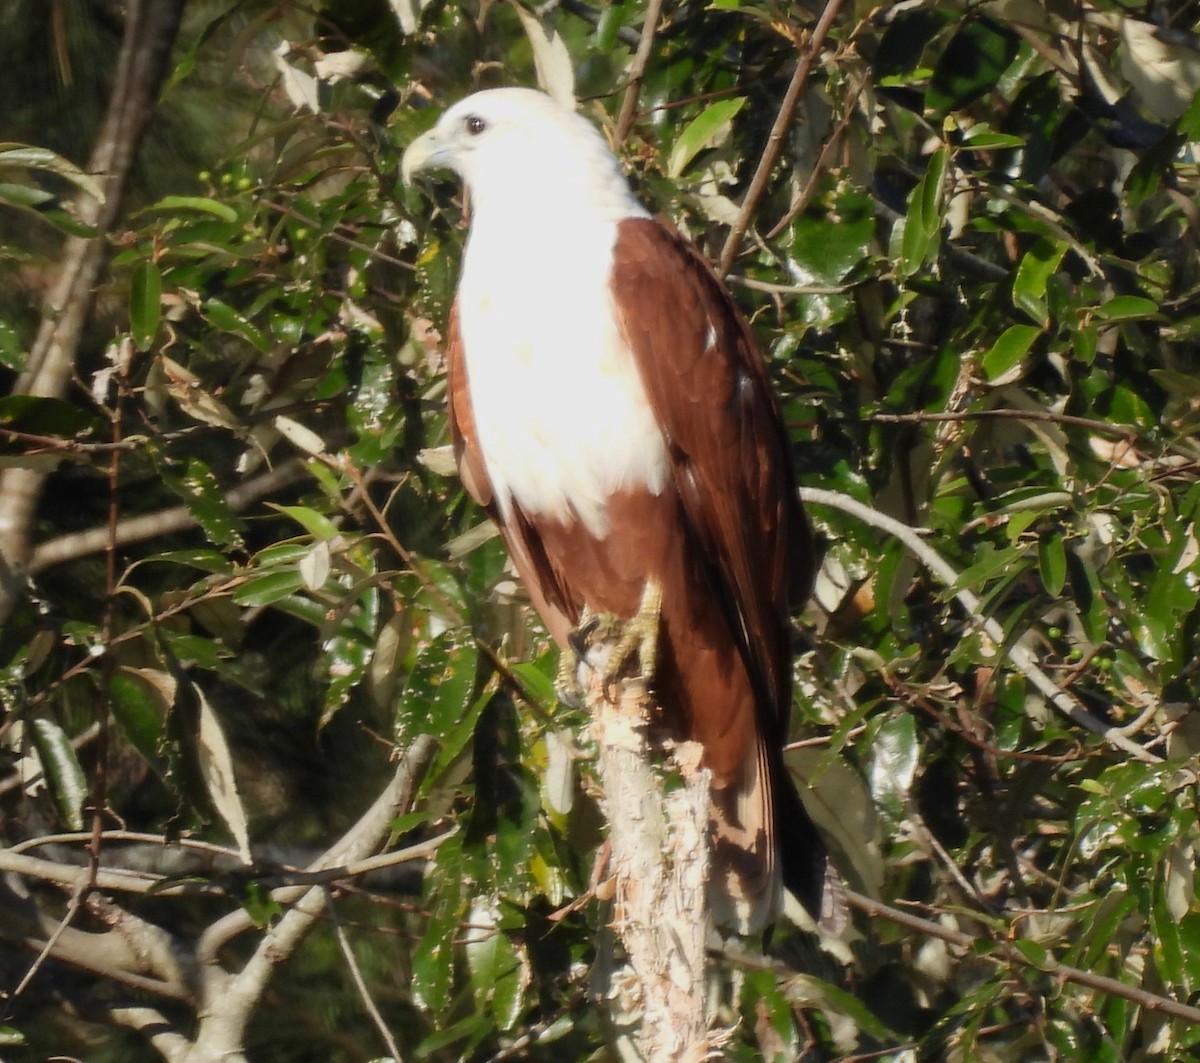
(611, 412)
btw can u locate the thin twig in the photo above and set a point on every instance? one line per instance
(1119, 431)
(360, 984)
(1064, 702)
(1010, 954)
(637, 71)
(818, 171)
(157, 840)
(771, 288)
(783, 119)
(73, 906)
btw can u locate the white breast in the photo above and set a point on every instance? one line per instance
(560, 411)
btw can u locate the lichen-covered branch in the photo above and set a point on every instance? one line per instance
(660, 864)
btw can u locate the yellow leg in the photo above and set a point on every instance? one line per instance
(617, 640)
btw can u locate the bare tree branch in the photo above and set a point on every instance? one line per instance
(229, 1000)
(157, 1029)
(151, 525)
(364, 993)
(637, 70)
(1007, 953)
(783, 119)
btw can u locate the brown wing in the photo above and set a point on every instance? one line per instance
(709, 389)
(462, 421)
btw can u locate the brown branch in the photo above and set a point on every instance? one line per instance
(1008, 953)
(637, 71)
(1118, 431)
(783, 119)
(818, 170)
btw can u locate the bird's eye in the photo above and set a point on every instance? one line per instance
(475, 125)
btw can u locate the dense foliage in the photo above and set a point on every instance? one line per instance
(255, 582)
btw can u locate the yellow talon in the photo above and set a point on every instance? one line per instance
(607, 643)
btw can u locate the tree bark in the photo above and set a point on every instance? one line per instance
(660, 860)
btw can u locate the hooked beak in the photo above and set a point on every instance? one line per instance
(427, 152)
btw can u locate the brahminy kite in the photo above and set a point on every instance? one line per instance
(611, 412)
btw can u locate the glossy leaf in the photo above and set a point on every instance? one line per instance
(1029, 285)
(144, 298)
(1008, 350)
(707, 129)
(64, 775)
(971, 64)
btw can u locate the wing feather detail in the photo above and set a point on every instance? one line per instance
(709, 389)
(471, 467)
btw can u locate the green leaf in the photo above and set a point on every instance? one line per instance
(982, 136)
(268, 588)
(12, 349)
(197, 203)
(1052, 563)
(1127, 308)
(825, 254)
(140, 700)
(1034, 270)
(433, 957)
(920, 231)
(145, 303)
(1035, 955)
(25, 196)
(348, 653)
(990, 563)
(225, 317)
(32, 158)
(493, 963)
(258, 903)
(439, 694)
(971, 64)
(201, 493)
(1008, 350)
(46, 206)
(64, 775)
(894, 763)
(317, 525)
(472, 1027)
(45, 417)
(711, 127)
